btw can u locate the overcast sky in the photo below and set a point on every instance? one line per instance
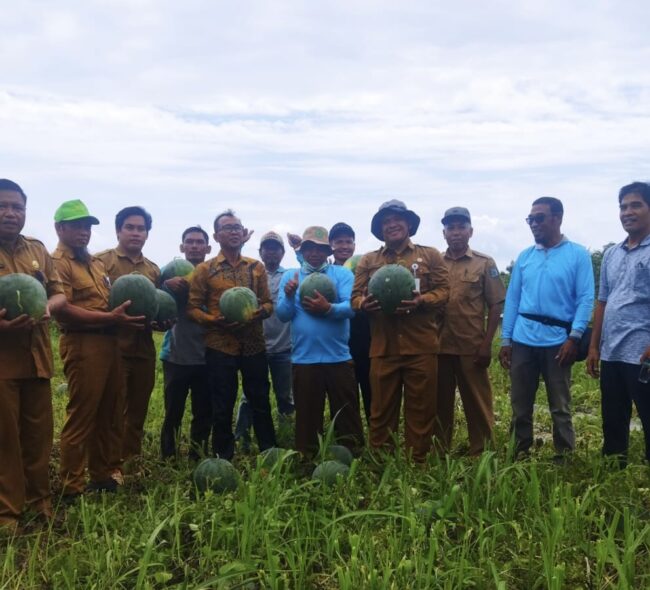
(309, 113)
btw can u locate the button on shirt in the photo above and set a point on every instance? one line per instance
(474, 285)
(625, 287)
(406, 334)
(210, 280)
(27, 354)
(277, 333)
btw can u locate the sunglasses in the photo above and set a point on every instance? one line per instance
(539, 218)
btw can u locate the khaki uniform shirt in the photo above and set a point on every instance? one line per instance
(475, 285)
(85, 282)
(209, 281)
(27, 354)
(133, 343)
(406, 334)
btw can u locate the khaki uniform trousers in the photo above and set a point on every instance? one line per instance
(92, 428)
(415, 378)
(26, 429)
(473, 382)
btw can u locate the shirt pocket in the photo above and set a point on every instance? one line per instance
(471, 286)
(641, 284)
(83, 289)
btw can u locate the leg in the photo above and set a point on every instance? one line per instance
(386, 383)
(616, 405)
(12, 475)
(280, 367)
(343, 396)
(558, 390)
(177, 380)
(524, 380)
(420, 376)
(362, 373)
(224, 384)
(244, 420)
(255, 383)
(201, 412)
(641, 396)
(476, 393)
(446, 401)
(309, 397)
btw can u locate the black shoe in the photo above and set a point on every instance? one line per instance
(70, 499)
(108, 485)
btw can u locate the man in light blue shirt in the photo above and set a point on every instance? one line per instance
(621, 336)
(321, 360)
(547, 309)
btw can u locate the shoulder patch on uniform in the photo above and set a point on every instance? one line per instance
(494, 272)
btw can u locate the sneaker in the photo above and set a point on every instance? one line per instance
(118, 477)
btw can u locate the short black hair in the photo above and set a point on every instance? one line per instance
(341, 229)
(121, 216)
(226, 213)
(555, 205)
(640, 188)
(196, 229)
(10, 185)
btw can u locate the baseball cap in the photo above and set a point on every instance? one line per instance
(271, 236)
(340, 229)
(456, 212)
(73, 210)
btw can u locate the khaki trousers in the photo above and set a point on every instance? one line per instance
(92, 366)
(413, 377)
(25, 444)
(473, 382)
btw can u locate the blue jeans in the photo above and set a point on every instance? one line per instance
(280, 367)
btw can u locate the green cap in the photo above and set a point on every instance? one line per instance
(72, 210)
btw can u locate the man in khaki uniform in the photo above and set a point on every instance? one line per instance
(466, 341)
(404, 345)
(91, 357)
(132, 225)
(26, 367)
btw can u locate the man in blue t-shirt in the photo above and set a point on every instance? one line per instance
(621, 336)
(548, 306)
(321, 360)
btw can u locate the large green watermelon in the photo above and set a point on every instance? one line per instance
(179, 267)
(140, 290)
(238, 304)
(330, 471)
(390, 285)
(351, 263)
(167, 309)
(317, 281)
(339, 453)
(22, 294)
(217, 475)
(269, 457)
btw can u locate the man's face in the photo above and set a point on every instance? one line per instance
(133, 234)
(75, 234)
(395, 228)
(12, 215)
(195, 247)
(342, 248)
(457, 233)
(230, 233)
(271, 254)
(544, 224)
(314, 254)
(635, 214)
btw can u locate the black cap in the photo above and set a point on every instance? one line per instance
(394, 206)
(341, 229)
(456, 212)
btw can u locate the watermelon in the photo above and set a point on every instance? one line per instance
(167, 309)
(330, 471)
(238, 304)
(390, 285)
(217, 475)
(270, 457)
(320, 282)
(351, 263)
(179, 267)
(339, 453)
(140, 290)
(22, 294)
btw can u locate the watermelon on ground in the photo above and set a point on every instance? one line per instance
(391, 285)
(22, 294)
(330, 471)
(238, 304)
(351, 263)
(140, 290)
(339, 453)
(317, 281)
(269, 457)
(217, 475)
(179, 267)
(167, 309)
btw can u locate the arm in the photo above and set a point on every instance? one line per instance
(73, 314)
(263, 294)
(510, 312)
(285, 309)
(438, 295)
(593, 358)
(198, 297)
(584, 295)
(484, 354)
(344, 281)
(360, 300)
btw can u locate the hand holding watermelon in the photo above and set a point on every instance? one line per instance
(369, 304)
(291, 287)
(406, 306)
(177, 285)
(122, 318)
(317, 304)
(22, 322)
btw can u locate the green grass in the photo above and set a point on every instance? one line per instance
(457, 522)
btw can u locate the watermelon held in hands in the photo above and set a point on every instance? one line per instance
(140, 290)
(352, 262)
(22, 294)
(330, 471)
(390, 285)
(217, 475)
(179, 267)
(317, 281)
(167, 309)
(238, 304)
(339, 453)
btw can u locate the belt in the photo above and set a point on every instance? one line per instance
(107, 331)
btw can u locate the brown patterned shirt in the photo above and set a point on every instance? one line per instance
(209, 281)
(406, 334)
(27, 354)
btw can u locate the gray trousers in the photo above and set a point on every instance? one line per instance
(528, 362)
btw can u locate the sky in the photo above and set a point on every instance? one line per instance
(309, 113)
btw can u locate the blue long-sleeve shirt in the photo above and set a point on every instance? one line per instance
(557, 282)
(318, 338)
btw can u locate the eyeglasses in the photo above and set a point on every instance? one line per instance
(231, 228)
(539, 218)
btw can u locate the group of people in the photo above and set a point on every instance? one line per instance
(316, 347)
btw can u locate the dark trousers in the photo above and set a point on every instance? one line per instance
(179, 381)
(224, 384)
(620, 386)
(362, 373)
(528, 363)
(311, 383)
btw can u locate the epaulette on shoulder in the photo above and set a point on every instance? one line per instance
(102, 253)
(481, 254)
(31, 239)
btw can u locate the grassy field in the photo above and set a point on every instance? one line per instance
(455, 523)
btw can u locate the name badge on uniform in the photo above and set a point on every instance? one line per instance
(414, 268)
